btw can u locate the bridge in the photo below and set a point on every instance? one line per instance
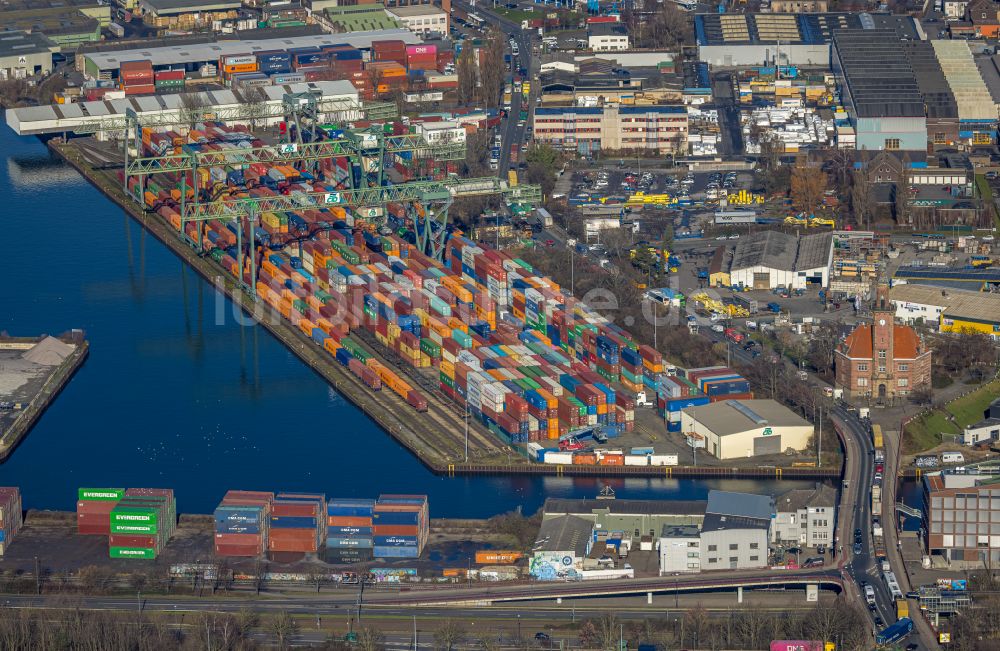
(486, 596)
(908, 510)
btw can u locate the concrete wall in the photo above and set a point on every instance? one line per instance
(872, 133)
(750, 549)
(680, 555)
(730, 56)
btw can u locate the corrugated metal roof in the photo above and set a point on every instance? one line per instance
(176, 54)
(962, 74)
(878, 75)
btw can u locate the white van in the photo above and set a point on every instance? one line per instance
(952, 457)
(869, 594)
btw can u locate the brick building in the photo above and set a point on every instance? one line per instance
(961, 516)
(882, 360)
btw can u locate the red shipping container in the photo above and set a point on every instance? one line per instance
(90, 530)
(149, 89)
(146, 542)
(396, 530)
(298, 509)
(237, 550)
(238, 539)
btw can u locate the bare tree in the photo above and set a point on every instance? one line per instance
(284, 627)
(449, 634)
(861, 197)
(370, 639)
(467, 75)
(903, 191)
(492, 70)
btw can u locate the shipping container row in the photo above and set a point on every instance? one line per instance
(137, 521)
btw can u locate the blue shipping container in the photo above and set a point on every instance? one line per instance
(292, 522)
(396, 541)
(396, 552)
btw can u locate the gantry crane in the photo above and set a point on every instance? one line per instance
(434, 198)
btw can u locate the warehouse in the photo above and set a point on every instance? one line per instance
(68, 24)
(562, 544)
(770, 259)
(742, 40)
(23, 55)
(421, 19)
(638, 517)
(736, 429)
(588, 130)
(941, 109)
(193, 56)
(187, 14)
(879, 90)
(948, 309)
(56, 118)
(977, 113)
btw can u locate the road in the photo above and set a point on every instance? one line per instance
(729, 115)
(512, 134)
(862, 567)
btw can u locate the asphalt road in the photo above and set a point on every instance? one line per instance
(512, 133)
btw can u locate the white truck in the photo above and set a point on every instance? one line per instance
(869, 594)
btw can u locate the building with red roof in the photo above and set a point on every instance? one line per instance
(882, 360)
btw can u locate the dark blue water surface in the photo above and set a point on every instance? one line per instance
(171, 398)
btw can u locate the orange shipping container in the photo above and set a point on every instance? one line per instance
(240, 67)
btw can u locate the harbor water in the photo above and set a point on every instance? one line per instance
(177, 393)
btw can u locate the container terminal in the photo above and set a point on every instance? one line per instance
(328, 222)
(33, 370)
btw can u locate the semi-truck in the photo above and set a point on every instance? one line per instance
(895, 632)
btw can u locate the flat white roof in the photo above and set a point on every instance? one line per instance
(177, 54)
(54, 118)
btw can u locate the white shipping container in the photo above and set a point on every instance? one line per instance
(565, 458)
(636, 460)
(663, 460)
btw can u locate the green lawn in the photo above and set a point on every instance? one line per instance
(969, 409)
(925, 433)
(517, 15)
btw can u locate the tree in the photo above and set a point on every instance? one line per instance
(600, 633)
(861, 197)
(370, 639)
(903, 192)
(284, 627)
(922, 396)
(465, 68)
(808, 186)
(449, 634)
(543, 161)
(670, 28)
(492, 70)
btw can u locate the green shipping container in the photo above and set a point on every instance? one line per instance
(430, 348)
(100, 494)
(132, 552)
(134, 529)
(131, 515)
(447, 380)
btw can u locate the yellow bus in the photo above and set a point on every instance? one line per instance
(512, 178)
(877, 436)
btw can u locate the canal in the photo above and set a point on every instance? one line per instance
(176, 393)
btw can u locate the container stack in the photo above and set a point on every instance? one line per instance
(421, 57)
(349, 531)
(401, 526)
(297, 523)
(11, 516)
(169, 81)
(142, 522)
(389, 51)
(93, 509)
(720, 383)
(241, 524)
(136, 77)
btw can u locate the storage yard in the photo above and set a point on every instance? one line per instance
(365, 280)
(32, 373)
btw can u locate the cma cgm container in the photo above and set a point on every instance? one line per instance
(11, 517)
(400, 521)
(93, 509)
(242, 524)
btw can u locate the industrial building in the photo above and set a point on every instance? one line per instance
(562, 544)
(192, 57)
(769, 259)
(607, 37)
(948, 309)
(879, 90)
(882, 360)
(57, 118)
(736, 531)
(23, 55)
(736, 429)
(805, 516)
(961, 513)
(589, 130)
(977, 112)
(187, 14)
(680, 549)
(67, 23)
(421, 19)
(800, 39)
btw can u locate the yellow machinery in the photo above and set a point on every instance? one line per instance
(796, 220)
(512, 178)
(718, 307)
(744, 198)
(643, 199)
(822, 221)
